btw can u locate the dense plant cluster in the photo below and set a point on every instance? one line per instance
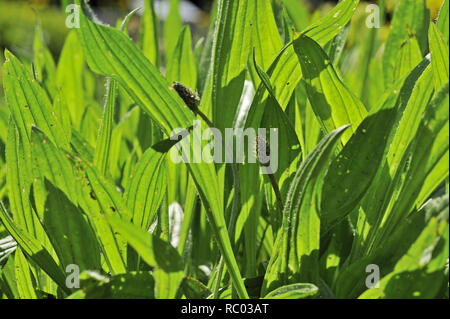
(93, 205)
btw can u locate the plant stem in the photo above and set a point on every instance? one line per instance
(276, 189)
(204, 117)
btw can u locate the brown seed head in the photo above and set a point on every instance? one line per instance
(189, 97)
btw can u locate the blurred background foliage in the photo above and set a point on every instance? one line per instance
(18, 18)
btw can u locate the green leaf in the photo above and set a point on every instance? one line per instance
(287, 162)
(293, 291)
(266, 38)
(409, 56)
(373, 205)
(124, 132)
(169, 111)
(96, 196)
(194, 289)
(111, 244)
(167, 283)
(154, 251)
(24, 279)
(435, 121)
(110, 52)
(60, 194)
(51, 163)
(69, 232)
(189, 209)
(285, 71)
(298, 12)
(90, 123)
(8, 284)
(326, 28)
(150, 41)
(18, 181)
(417, 274)
(231, 51)
(82, 147)
(439, 56)
(443, 18)
(70, 77)
(103, 146)
(351, 280)
(298, 239)
(119, 58)
(334, 104)
(275, 118)
(288, 156)
(182, 66)
(33, 249)
(303, 205)
(147, 188)
(29, 103)
(172, 27)
(351, 173)
(410, 17)
(425, 163)
(62, 113)
(44, 65)
(368, 51)
(106, 193)
(411, 117)
(204, 60)
(306, 123)
(132, 285)
(335, 47)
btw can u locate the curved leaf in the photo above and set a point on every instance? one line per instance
(147, 188)
(154, 251)
(439, 56)
(110, 52)
(293, 291)
(410, 17)
(298, 239)
(181, 67)
(33, 248)
(334, 104)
